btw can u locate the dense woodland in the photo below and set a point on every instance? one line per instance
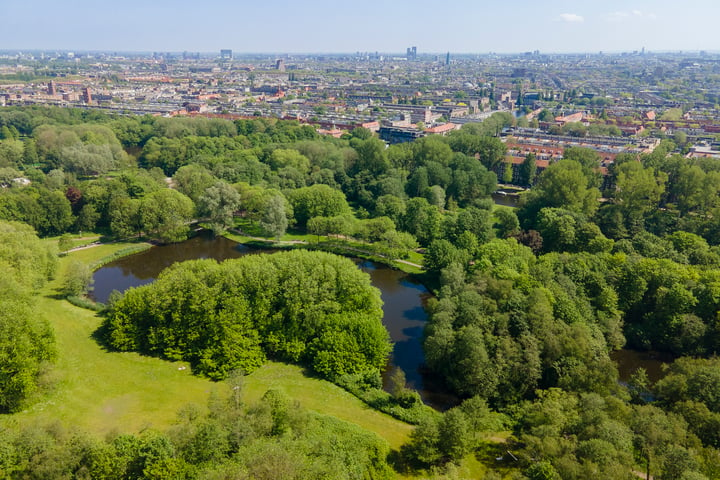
(529, 302)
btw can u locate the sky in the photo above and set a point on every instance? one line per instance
(386, 26)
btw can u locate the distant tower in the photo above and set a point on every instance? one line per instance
(86, 95)
(414, 53)
(408, 53)
(447, 59)
(280, 65)
(51, 88)
(226, 54)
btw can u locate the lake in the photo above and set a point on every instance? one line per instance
(403, 298)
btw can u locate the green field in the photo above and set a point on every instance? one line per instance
(101, 392)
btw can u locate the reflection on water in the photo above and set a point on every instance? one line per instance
(628, 361)
(506, 199)
(404, 316)
(144, 267)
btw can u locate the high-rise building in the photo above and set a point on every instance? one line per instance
(226, 54)
(280, 65)
(447, 59)
(51, 88)
(86, 95)
(411, 53)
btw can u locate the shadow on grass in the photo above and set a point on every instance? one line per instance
(498, 455)
(100, 336)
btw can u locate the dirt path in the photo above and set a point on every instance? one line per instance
(83, 247)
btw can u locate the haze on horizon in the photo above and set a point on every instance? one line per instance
(272, 26)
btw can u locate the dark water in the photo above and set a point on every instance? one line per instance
(143, 267)
(505, 198)
(628, 361)
(404, 316)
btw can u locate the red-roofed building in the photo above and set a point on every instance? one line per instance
(336, 133)
(575, 117)
(373, 126)
(443, 129)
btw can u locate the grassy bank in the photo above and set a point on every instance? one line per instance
(333, 245)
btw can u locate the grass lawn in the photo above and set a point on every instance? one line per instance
(324, 397)
(78, 240)
(101, 392)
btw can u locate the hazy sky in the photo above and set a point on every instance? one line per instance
(474, 26)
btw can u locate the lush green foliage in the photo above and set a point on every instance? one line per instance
(309, 307)
(26, 341)
(402, 403)
(578, 436)
(272, 439)
(506, 325)
(455, 433)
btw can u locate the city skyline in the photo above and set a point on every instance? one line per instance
(319, 26)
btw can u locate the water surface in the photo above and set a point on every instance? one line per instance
(403, 312)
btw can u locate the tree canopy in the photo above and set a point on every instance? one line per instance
(309, 307)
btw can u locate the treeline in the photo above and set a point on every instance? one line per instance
(257, 168)
(527, 323)
(531, 336)
(314, 308)
(27, 343)
(272, 439)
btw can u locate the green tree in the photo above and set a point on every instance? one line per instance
(125, 217)
(507, 170)
(454, 435)
(637, 192)
(78, 279)
(563, 185)
(193, 181)
(30, 155)
(87, 218)
(26, 339)
(274, 220)
(57, 213)
(317, 201)
(542, 471)
(65, 243)
(372, 156)
(441, 254)
(301, 306)
(390, 206)
(165, 215)
(87, 159)
(506, 222)
(527, 170)
(218, 204)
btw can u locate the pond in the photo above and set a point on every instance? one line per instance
(628, 361)
(506, 197)
(403, 298)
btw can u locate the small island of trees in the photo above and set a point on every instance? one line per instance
(310, 307)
